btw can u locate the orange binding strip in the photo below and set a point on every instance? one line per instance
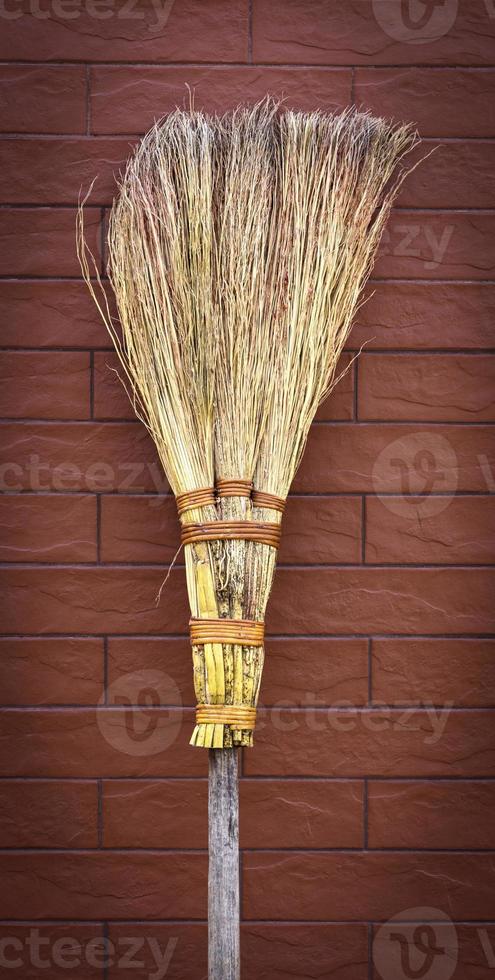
(263, 533)
(234, 488)
(268, 500)
(247, 632)
(237, 715)
(193, 499)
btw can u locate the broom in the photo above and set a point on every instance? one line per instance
(239, 246)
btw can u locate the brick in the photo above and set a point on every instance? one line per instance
(366, 886)
(389, 458)
(72, 945)
(296, 672)
(305, 951)
(114, 741)
(441, 245)
(384, 742)
(94, 600)
(50, 314)
(472, 948)
(312, 671)
(442, 102)
(42, 241)
(59, 528)
(120, 456)
(53, 171)
(174, 814)
(431, 814)
(267, 950)
(300, 814)
(427, 387)
(316, 529)
(104, 885)
(440, 181)
(461, 533)
(79, 456)
(48, 814)
(130, 658)
(44, 385)
(180, 31)
(127, 100)
(51, 671)
(437, 671)
(36, 99)
(164, 814)
(350, 32)
(381, 600)
(425, 315)
(347, 600)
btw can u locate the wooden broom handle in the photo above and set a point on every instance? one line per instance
(223, 866)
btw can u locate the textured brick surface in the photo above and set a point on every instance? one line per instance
(51, 671)
(370, 791)
(58, 528)
(44, 385)
(178, 30)
(447, 102)
(366, 886)
(34, 99)
(431, 814)
(461, 532)
(439, 671)
(42, 813)
(354, 32)
(42, 241)
(383, 742)
(434, 388)
(126, 100)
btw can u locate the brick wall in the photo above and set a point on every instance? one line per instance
(370, 792)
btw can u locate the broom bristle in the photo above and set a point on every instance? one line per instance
(239, 246)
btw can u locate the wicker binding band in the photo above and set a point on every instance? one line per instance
(245, 631)
(240, 716)
(268, 500)
(207, 496)
(261, 532)
(234, 488)
(193, 499)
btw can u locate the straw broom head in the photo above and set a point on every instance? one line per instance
(239, 246)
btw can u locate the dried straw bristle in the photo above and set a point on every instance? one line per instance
(239, 246)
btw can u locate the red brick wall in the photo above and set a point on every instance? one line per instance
(370, 792)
